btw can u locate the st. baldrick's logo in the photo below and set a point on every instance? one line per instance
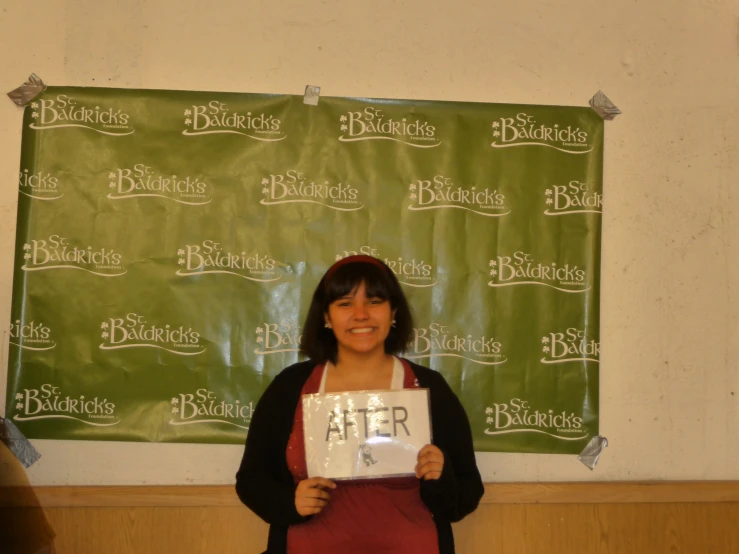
(49, 402)
(573, 198)
(525, 130)
(372, 124)
(523, 269)
(217, 118)
(31, 335)
(66, 111)
(519, 416)
(142, 181)
(56, 252)
(442, 193)
(134, 331)
(204, 406)
(571, 346)
(41, 185)
(273, 338)
(210, 257)
(292, 186)
(437, 341)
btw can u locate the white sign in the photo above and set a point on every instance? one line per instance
(356, 435)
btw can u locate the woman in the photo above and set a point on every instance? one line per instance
(358, 319)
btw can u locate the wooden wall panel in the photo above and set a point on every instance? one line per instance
(500, 529)
(642, 528)
(157, 530)
(555, 518)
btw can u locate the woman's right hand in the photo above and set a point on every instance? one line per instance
(311, 496)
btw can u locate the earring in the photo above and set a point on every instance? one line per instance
(393, 324)
(327, 325)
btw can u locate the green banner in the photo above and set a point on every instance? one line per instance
(169, 242)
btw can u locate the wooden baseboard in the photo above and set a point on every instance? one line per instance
(495, 493)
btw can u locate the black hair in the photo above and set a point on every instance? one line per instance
(319, 343)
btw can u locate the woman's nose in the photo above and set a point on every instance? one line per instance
(360, 311)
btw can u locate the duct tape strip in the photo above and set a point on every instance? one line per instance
(17, 443)
(603, 106)
(311, 96)
(590, 454)
(27, 91)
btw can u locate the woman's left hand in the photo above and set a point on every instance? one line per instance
(430, 463)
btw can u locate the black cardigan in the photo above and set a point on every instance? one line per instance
(264, 482)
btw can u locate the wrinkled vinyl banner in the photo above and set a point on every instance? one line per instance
(169, 242)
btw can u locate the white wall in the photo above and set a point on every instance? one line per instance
(670, 314)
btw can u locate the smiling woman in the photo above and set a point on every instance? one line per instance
(360, 323)
(358, 320)
(359, 294)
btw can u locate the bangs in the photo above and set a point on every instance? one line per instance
(349, 277)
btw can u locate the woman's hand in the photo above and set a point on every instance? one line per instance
(430, 463)
(311, 496)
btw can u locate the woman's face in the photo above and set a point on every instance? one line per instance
(360, 324)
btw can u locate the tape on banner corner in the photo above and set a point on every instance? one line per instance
(311, 96)
(603, 106)
(27, 91)
(591, 453)
(17, 443)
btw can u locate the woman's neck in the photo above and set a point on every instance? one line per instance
(361, 362)
(360, 372)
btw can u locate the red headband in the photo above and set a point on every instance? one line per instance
(361, 258)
